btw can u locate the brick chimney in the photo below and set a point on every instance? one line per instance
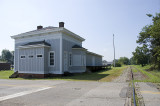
(39, 27)
(61, 24)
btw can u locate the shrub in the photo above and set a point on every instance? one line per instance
(117, 64)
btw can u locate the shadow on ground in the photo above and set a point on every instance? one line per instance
(94, 76)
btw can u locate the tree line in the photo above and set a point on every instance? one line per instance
(149, 50)
(149, 40)
(7, 56)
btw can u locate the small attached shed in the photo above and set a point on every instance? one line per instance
(33, 58)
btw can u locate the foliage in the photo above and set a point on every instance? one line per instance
(141, 55)
(7, 56)
(104, 62)
(132, 60)
(152, 76)
(117, 64)
(150, 36)
(5, 74)
(124, 61)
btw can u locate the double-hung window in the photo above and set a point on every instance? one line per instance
(51, 58)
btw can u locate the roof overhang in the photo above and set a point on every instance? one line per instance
(66, 31)
(53, 30)
(80, 49)
(94, 54)
(32, 46)
(34, 33)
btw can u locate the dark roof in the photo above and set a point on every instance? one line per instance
(77, 46)
(36, 43)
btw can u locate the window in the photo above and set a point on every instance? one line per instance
(39, 55)
(77, 60)
(51, 58)
(70, 59)
(22, 57)
(30, 56)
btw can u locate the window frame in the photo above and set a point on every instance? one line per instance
(22, 55)
(50, 58)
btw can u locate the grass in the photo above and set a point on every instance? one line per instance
(114, 73)
(5, 74)
(134, 70)
(153, 76)
(103, 76)
(136, 99)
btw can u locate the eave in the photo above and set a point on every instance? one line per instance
(40, 32)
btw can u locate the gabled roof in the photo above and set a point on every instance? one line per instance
(37, 43)
(49, 29)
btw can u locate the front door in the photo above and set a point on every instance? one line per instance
(65, 62)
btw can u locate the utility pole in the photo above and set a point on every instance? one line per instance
(114, 50)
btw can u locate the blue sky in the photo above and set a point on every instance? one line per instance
(94, 20)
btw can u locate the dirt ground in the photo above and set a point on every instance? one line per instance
(124, 77)
(138, 75)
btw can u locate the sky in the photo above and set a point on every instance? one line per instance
(94, 20)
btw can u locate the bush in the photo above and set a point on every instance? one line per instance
(117, 64)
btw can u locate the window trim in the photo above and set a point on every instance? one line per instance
(49, 59)
(24, 56)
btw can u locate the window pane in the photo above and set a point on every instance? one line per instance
(51, 58)
(22, 56)
(30, 56)
(39, 55)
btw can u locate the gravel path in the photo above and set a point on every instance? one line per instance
(125, 76)
(138, 75)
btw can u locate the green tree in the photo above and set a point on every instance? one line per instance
(124, 61)
(6, 55)
(141, 55)
(117, 64)
(150, 36)
(132, 61)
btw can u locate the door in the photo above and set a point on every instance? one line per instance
(65, 62)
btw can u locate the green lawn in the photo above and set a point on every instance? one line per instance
(112, 74)
(153, 76)
(104, 75)
(5, 74)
